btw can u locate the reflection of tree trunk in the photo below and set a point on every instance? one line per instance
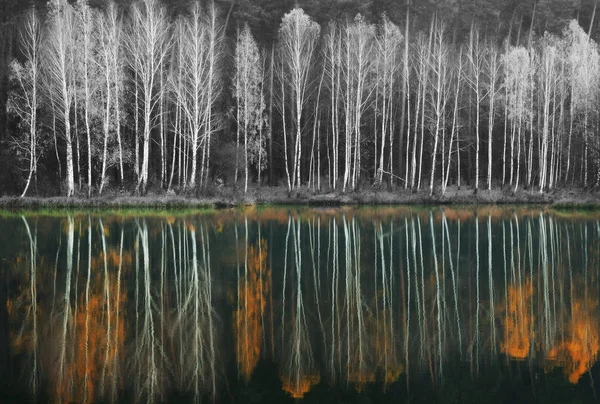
(299, 372)
(505, 267)
(107, 297)
(335, 315)
(33, 309)
(437, 295)
(417, 291)
(86, 380)
(147, 382)
(491, 285)
(454, 276)
(196, 345)
(209, 308)
(316, 266)
(5, 351)
(66, 305)
(408, 288)
(115, 364)
(423, 309)
(287, 238)
(476, 347)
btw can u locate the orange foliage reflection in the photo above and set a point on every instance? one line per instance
(98, 335)
(518, 321)
(580, 349)
(300, 386)
(252, 304)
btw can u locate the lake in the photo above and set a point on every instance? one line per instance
(275, 304)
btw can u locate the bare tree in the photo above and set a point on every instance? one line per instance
(475, 57)
(518, 82)
(86, 38)
(548, 77)
(110, 64)
(583, 62)
(249, 97)
(388, 65)
(332, 50)
(24, 101)
(360, 38)
(58, 67)
(193, 72)
(439, 94)
(298, 36)
(148, 40)
(213, 89)
(492, 71)
(458, 77)
(420, 61)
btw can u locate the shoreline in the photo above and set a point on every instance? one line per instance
(278, 196)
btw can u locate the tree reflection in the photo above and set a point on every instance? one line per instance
(346, 301)
(252, 304)
(517, 321)
(298, 370)
(579, 351)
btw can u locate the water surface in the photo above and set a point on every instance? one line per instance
(351, 304)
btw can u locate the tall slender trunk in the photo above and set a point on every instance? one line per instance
(105, 124)
(86, 52)
(492, 96)
(136, 135)
(405, 103)
(271, 179)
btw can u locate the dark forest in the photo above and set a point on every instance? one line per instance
(185, 96)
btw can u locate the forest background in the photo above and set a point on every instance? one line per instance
(189, 96)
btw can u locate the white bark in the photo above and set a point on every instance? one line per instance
(58, 66)
(148, 43)
(298, 36)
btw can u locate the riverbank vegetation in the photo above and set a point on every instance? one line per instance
(336, 100)
(277, 197)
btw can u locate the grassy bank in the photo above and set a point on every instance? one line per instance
(229, 197)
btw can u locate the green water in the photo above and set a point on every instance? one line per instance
(279, 304)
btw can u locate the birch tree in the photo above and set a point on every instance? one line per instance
(518, 82)
(109, 28)
(195, 83)
(86, 42)
(420, 61)
(457, 78)
(148, 42)
(475, 57)
(298, 36)
(584, 74)
(249, 97)
(332, 65)
(58, 68)
(24, 99)
(438, 92)
(193, 80)
(359, 63)
(214, 83)
(389, 41)
(492, 71)
(548, 78)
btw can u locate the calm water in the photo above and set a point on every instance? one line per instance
(330, 305)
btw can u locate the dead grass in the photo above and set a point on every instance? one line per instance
(257, 198)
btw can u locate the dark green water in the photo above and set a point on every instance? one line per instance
(281, 304)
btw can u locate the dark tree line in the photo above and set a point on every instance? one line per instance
(319, 94)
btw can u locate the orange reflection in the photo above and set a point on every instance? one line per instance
(252, 304)
(579, 351)
(97, 337)
(113, 257)
(300, 386)
(518, 321)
